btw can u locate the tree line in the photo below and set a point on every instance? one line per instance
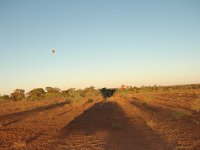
(90, 92)
(155, 88)
(56, 93)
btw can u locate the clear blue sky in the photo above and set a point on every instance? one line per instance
(98, 42)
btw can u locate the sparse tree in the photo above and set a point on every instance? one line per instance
(52, 92)
(107, 92)
(37, 93)
(4, 98)
(18, 94)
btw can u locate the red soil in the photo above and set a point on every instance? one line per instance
(115, 124)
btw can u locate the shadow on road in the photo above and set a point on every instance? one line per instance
(108, 118)
(22, 114)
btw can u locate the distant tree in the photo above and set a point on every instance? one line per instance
(37, 93)
(4, 98)
(155, 88)
(91, 92)
(18, 94)
(68, 93)
(107, 92)
(73, 94)
(52, 92)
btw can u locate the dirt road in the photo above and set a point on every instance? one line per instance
(102, 125)
(108, 125)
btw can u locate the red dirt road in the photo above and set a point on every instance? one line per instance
(95, 129)
(101, 125)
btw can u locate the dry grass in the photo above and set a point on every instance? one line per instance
(196, 122)
(151, 124)
(196, 105)
(180, 114)
(19, 144)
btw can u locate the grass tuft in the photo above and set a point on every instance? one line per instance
(116, 126)
(90, 100)
(19, 144)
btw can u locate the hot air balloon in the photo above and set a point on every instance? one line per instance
(53, 51)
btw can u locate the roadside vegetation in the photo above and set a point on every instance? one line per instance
(149, 89)
(196, 105)
(73, 95)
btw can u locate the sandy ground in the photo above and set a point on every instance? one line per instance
(114, 124)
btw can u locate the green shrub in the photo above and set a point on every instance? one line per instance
(18, 94)
(52, 93)
(36, 94)
(90, 100)
(116, 126)
(178, 114)
(4, 98)
(107, 92)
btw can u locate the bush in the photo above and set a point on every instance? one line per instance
(4, 98)
(36, 94)
(77, 95)
(91, 92)
(116, 126)
(52, 93)
(90, 100)
(18, 94)
(107, 92)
